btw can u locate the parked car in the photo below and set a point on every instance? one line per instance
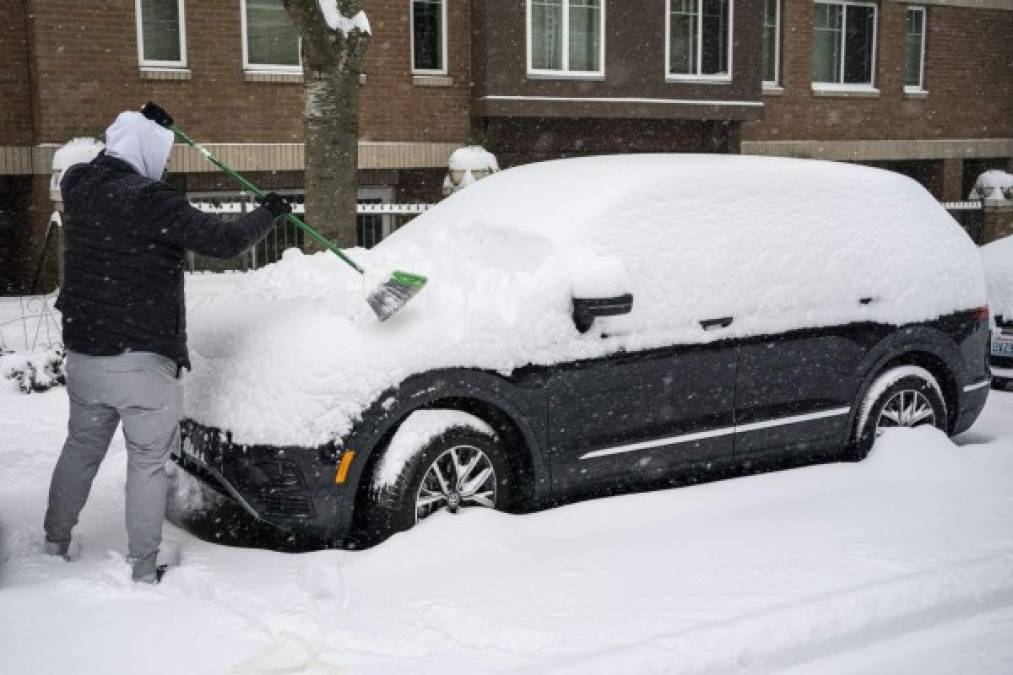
(998, 259)
(591, 326)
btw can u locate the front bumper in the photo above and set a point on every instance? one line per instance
(292, 488)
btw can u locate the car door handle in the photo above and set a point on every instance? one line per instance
(714, 324)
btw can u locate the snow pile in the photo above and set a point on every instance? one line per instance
(341, 23)
(415, 433)
(998, 259)
(76, 151)
(993, 184)
(293, 355)
(467, 165)
(36, 370)
(904, 561)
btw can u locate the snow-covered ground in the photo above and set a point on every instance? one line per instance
(901, 564)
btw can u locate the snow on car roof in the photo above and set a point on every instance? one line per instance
(291, 354)
(998, 259)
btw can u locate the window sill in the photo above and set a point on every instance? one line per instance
(844, 91)
(675, 79)
(600, 77)
(271, 76)
(772, 90)
(164, 73)
(915, 94)
(432, 81)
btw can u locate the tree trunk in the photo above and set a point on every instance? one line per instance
(332, 62)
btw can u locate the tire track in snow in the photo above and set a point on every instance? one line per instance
(779, 637)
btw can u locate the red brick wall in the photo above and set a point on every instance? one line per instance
(968, 73)
(15, 87)
(87, 72)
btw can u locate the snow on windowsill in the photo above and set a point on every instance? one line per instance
(152, 73)
(272, 76)
(698, 79)
(845, 90)
(772, 89)
(915, 93)
(432, 80)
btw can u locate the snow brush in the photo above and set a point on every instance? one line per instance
(385, 299)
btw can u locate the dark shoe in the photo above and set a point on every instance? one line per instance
(60, 548)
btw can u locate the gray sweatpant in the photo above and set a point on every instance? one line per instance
(142, 390)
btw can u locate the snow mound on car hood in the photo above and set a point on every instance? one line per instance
(291, 354)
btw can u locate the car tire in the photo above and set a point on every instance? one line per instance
(905, 396)
(397, 505)
(1002, 384)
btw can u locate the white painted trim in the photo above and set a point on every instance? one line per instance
(144, 63)
(698, 78)
(595, 99)
(263, 67)
(444, 47)
(871, 84)
(776, 82)
(978, 385)
(715, 433)
(920, 87)
(565, 73)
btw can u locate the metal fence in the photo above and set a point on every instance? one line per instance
(374, 221)
(970, 215)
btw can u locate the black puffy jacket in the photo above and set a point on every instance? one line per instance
(125, 237)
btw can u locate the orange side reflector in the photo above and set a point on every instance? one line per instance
(346, 461)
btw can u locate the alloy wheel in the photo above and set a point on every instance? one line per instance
(461, 476)
(906, 408)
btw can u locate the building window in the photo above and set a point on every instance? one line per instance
(844, 44)
(914, 50)
(771, 42)
(270, 39)
(429, 37)
(161, 33)
(565, 38)
(699, 39)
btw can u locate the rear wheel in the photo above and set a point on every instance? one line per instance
(905, 396)
(459, 469)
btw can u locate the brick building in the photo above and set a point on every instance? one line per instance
(923, 88)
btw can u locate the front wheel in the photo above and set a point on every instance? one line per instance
(906, 396)
(458, 469)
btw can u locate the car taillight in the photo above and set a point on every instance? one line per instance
(981, 314)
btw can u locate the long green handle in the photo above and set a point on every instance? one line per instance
(290, 217)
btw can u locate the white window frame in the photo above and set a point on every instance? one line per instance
(443, 45)
(920, 87)
(702, 79)
(843, 86)
(565, 73)
(145, 63)
(776, 82)
(263, 67)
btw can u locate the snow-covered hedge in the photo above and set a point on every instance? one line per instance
(34, 371)
(291, 354)
(993, 184)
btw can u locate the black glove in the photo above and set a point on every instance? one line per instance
(276, 204)
(157, 114)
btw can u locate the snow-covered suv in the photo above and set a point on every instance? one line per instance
(590, 326)
(998, 259)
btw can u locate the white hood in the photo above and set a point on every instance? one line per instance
(140, 143)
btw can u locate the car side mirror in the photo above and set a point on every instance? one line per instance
(586, 309)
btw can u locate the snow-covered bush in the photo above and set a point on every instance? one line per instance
(34, 371)
(467, 165)
(998, 260)
(993, 184)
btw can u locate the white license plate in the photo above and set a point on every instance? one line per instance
(1002, 346)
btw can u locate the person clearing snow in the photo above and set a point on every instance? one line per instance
(123, 324)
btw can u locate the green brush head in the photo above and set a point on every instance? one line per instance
(395, 293)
